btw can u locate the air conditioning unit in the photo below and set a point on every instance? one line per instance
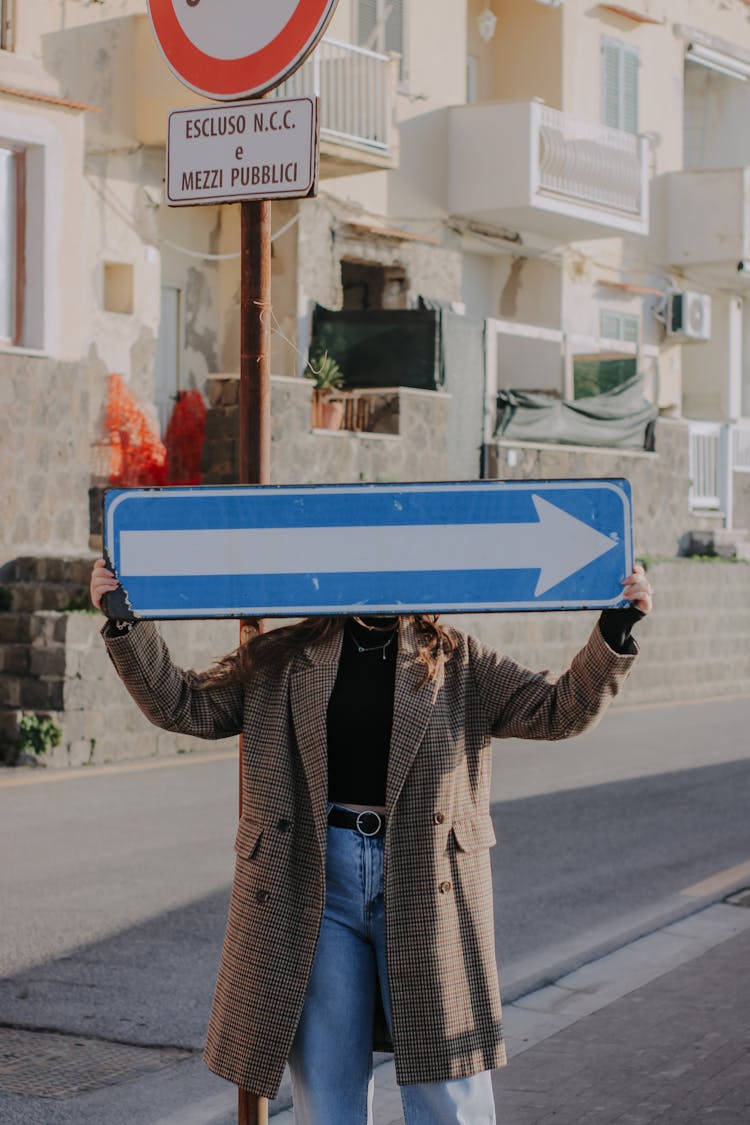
(689, 316)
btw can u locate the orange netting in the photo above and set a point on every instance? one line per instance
(184, 438)
(131, 454)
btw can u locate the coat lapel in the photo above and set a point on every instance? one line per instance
(412, 707)
(312, 680)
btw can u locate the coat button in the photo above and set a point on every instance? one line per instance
(262, 896)
(445, 887)
(438, 818)
(284, 825)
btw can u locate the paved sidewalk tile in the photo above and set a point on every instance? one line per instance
(675, 1051)
(656, 1033)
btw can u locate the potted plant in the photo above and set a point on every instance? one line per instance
(328, 410)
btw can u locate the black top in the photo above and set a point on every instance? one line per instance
(360, 716)
(360, 710)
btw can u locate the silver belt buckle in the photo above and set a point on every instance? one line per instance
(378, 826)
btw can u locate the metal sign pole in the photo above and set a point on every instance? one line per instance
(255, 435)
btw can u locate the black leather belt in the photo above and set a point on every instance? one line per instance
(369, 823)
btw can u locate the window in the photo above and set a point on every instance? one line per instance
(169, 354)
(619, 326)
(368, 286)
(380, 26)
(12, 250)
(599, 372)
(6, 25)
(620, 65)
(118, 287)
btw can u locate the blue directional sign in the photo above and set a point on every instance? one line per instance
(339, 549)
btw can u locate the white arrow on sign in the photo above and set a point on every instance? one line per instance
(557, 545)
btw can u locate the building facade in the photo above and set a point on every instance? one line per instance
(565, 186)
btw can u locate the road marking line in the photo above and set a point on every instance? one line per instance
(721, 881)
(74, 774)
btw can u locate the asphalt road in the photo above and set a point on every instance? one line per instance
(114, 882)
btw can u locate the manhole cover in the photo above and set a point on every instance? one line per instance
(741, 898)
(50, 1065)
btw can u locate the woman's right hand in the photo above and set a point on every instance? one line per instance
(103, 582)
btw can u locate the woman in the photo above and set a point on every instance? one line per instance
(362, 884)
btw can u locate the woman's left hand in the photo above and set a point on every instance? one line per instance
(637, 589)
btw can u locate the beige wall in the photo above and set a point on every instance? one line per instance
(56, 269)
(524, 59)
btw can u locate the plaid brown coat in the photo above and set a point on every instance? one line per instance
(438, 891)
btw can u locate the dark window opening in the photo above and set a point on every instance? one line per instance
(595, 375)
(366, 286)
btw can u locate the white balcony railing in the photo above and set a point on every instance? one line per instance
(590, 163)
(716, 453)
(705, 465)
(354, 86)
(741, 448)
(529, 168)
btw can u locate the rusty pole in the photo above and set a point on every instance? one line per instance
(255, 434)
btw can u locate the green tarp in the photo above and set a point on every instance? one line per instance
(622, 418)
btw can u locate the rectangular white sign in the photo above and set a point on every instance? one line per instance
(247, 150)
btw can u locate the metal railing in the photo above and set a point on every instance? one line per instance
(741, 448)
(590, 163)
(354, 86)
(705, 465)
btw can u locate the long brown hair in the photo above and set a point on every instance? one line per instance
(279, 646)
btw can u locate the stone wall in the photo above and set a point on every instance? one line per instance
(45, 454)
(301, 455)
(99, 720)
(695, 646)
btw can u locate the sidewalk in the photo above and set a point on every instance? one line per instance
(657, 1032)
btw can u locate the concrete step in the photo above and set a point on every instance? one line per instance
(33, 596)
(720, 541)
(47, 569)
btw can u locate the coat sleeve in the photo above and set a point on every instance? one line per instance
(519, 703)
(168, 696)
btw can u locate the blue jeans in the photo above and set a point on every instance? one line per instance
(331, 1057)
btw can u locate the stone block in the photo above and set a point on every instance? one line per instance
(48, 663)
(9, 736)
(223, 391)
(40, 695)
(10, 691)
(15, 659)
(14, 627)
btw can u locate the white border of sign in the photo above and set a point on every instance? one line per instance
(246, 75)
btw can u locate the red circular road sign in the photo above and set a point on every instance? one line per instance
(229, 49)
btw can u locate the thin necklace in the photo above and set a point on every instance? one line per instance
(377, 628)
(371, 648)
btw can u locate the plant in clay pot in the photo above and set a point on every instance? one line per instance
(328, 411)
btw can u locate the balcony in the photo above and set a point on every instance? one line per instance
(357, 91)
(524, 166)
(708, 228)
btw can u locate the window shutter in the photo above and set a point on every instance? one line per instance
(620, 66)
(630, 328)
(394, 26)
(630, 68)
(7, 244)
(611, 83)
(609, 325)
(367, 24)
